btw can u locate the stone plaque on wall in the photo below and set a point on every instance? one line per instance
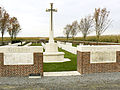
(18, 58)
(103, 56)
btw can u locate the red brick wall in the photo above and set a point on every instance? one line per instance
(22, 70)
(85, 67)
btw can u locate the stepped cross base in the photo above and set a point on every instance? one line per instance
(51, 53)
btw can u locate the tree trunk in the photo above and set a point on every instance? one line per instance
(2, 39)
(14, 37)
(84, 37)
(11, 39)
(73, 38)
(67, 37)
(98, 39)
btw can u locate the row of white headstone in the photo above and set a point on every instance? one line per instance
(67, 46)
(24, 55)
(98, 54)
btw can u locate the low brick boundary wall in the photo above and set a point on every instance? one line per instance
(22, 70)
(85, 67)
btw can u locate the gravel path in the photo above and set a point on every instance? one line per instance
(101, 81)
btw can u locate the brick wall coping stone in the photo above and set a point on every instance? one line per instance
(88, 48)
(21, 49)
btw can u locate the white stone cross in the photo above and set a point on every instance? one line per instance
(51, 10)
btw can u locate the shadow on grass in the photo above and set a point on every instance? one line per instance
(64, 66)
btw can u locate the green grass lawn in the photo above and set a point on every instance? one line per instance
(36, 44)
(64, 66)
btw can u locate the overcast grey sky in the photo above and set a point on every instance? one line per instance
(34, 20)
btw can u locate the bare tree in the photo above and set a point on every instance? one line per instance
(4, 18)
(14, 27)
(74, 29)
(101, 21)
(86, 25)
(67, 30)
